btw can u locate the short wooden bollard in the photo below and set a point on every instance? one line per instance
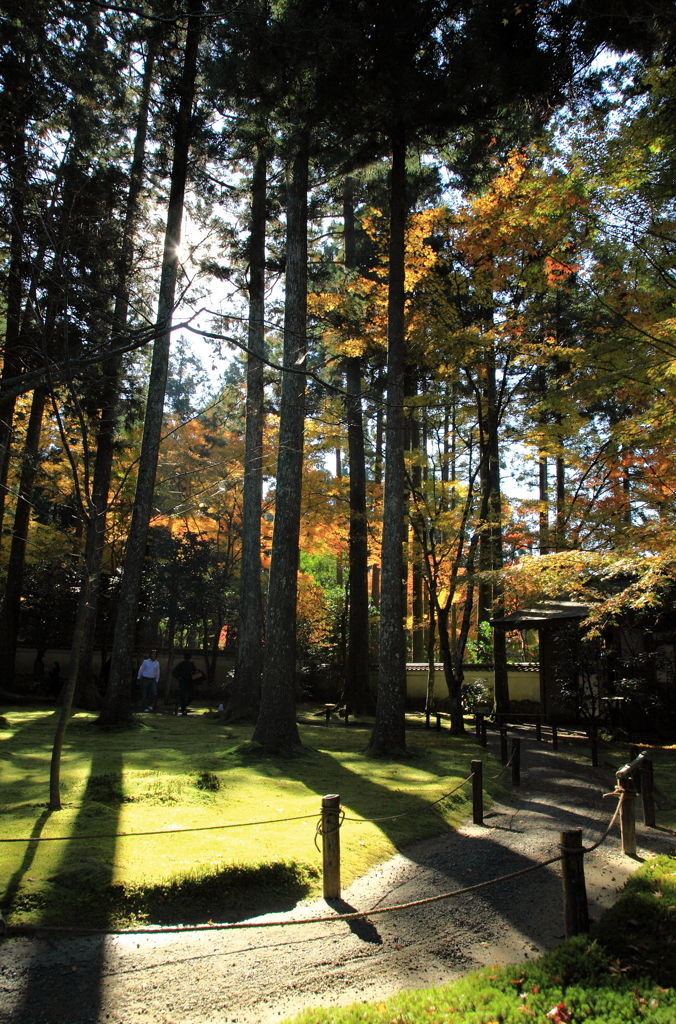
(538, 729)
(328, 715)
(478, 719)
(477, 792)
(438, 725)
(427, 719)
(647, 792)
(555, 738)
(637, 776)
(628, 816)
(346, 715)
(484, 741)
(503, 746)
(331, 846)
(516, 762)
(575, 910)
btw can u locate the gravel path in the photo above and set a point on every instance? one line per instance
(259, 976)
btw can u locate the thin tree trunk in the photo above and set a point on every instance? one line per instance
(495, 520)
(389, 733)
(130, 587)
(11, 607)
(276, 725)
(15, 154)
(357, 670)
(543, 496)
(339, 476)
(417, 602)
(431, 666)
(560, 529)
(244, 702)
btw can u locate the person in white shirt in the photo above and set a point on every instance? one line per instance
(149, 676)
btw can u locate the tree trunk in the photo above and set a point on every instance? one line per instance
(11, 607)
(431, 666)
(276, 725)
(67, 701)
(560, 529)
(130, 586)
(389, 733)
(14, 149)
(112, 369)
(543, 496)
(495, 520)
(244, 702)
(357, 693)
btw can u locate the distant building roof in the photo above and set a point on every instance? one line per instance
(541, 614)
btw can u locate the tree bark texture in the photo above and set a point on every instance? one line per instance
(112, 369)
(389, 733)
(276, 725)
(11, 607)
(495, 521)
(12, 361)
(357, 692)
(130, 587)
(244, 701)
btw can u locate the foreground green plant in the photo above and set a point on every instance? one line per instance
(625, 973)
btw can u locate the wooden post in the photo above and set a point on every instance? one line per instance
(628, 816)
(331, 846)
(477, 726)
(328, 715)
(346, 715)
(575, 910)
(647, 793)
(638, 773)
(516, 761)
(483, 740)
(477, 792)
(555, 738)
(503, 746)
(594, 744)
(538, 728)
(427, 719)
(438, 723)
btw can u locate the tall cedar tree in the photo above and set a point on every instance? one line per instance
(245, 697)
(276, 725)
(114, 709)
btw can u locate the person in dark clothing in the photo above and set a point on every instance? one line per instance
(38, 675)
(54, 681)
(184, 672)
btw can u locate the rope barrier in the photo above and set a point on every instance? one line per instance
(319, 831)
(588, 849)
(157, 832)
(505, 766)
(419, 810)
(36, 929)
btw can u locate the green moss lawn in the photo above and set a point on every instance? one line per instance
(169, 773)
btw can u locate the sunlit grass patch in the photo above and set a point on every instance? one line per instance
(176, 773)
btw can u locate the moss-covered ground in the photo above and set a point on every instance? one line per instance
(623, 973)
(171, 772)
